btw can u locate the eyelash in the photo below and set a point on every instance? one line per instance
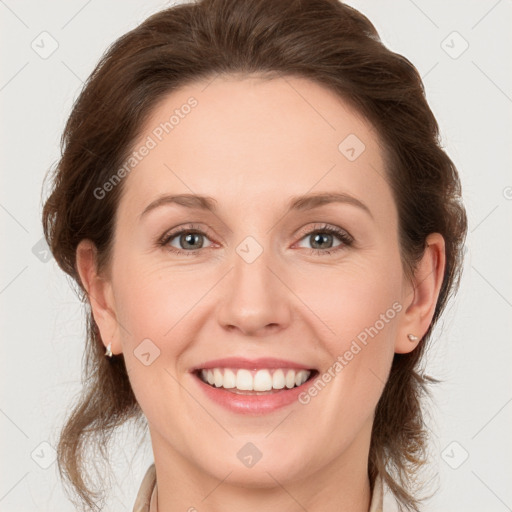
(344, 237)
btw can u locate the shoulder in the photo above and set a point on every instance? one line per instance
(143, 498)
(377, 502)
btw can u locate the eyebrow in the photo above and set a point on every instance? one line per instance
(299, 203)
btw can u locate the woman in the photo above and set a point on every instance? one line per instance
(208, 146)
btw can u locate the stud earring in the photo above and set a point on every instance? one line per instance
(412, 337)
(108, 352)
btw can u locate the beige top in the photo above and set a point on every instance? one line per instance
(146, 497)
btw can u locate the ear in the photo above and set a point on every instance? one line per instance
(420, 296)
(99, 293)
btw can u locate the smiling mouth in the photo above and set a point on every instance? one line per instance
(255, 382)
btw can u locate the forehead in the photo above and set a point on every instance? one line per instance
(250, 139)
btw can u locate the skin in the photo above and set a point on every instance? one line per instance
(252, 145)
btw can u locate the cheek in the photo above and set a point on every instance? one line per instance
(152, 300)
(154, 307)
(356, 310)
(350, 298)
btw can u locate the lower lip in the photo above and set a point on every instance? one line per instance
(252, 404)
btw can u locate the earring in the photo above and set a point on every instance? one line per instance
(412, 337)
(108, 352)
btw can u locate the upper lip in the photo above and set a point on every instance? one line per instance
(250, 364)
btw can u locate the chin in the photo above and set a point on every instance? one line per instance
(257, 473)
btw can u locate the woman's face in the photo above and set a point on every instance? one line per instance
(257, 278)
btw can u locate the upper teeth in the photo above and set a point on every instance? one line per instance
(252, 380)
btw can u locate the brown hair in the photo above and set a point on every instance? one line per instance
(323, 40)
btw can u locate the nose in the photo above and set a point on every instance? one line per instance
(255, 299)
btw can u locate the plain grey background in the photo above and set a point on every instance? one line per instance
(462, 49)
